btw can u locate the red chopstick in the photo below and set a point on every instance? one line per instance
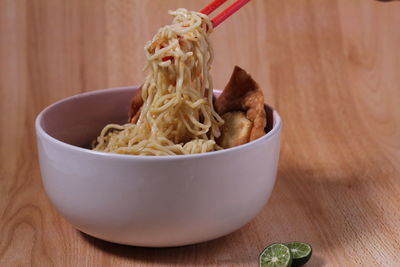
(224, 14)
(212, 6)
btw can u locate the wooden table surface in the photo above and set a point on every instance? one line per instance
(331, 68)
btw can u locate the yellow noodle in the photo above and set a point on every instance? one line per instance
(177, 116)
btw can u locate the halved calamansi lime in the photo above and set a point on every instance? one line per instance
(276, 255)
(301, 252)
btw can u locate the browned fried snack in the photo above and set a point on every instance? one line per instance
(242, 93)
(236, 129)
(136, 106)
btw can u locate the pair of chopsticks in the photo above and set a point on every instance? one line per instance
(224, 14)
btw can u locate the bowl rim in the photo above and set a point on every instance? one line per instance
(41, 133)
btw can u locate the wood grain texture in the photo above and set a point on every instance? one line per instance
(331, 68)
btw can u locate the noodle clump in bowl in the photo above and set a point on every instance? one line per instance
(176, 117)
(174, 113)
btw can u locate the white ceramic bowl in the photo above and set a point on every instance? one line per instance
(148, 201)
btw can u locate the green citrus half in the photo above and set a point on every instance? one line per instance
(276, 255)
(301, 252)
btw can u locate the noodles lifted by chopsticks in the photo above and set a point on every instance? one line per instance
(178, 115)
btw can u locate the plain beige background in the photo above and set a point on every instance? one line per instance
(330, 67)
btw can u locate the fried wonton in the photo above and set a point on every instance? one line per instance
(242, 93)
(236, 129)
(136, 106)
